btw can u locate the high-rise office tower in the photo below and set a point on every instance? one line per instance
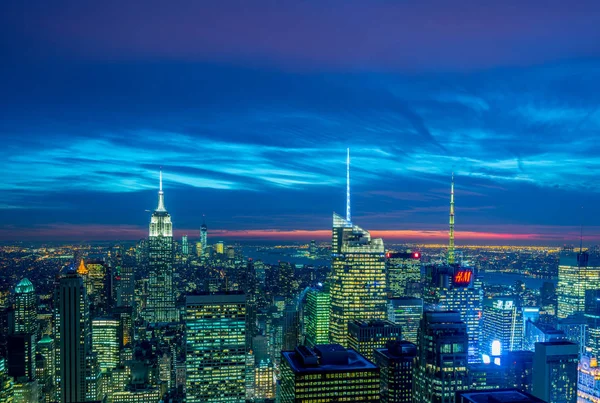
(216, 347)
(396, 364)
(555, 371)
(185, 246)
(98, 285)
(220, 248)
(577, 272)
(290, 327)
(204, 239)
(21, 356)
(45, 368)
(502, 327)
(519, 370)
(406, 312)
(403, 271)
(73, 337)
(357, 283)
(25, 308)
(106, 341)
(327, 373)
(316, 317)
(452, 288)
(125, 286)
(161, 298)
(6, 383)
(441, 364)
(366, 336)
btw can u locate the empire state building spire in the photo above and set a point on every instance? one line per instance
(161, 197)
(451, 242)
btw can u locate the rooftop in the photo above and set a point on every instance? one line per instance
(496, 396)
(326, 358)
(24, 286)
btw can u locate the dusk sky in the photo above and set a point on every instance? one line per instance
(249, 106)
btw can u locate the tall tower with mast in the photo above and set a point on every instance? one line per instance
(451, 241)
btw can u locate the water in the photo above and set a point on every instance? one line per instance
(510, 278)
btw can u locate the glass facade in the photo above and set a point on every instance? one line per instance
(317, 317)
(403, 274)
(577, 272)
(555, 371)
(106, 341)
(407, 313)
(216, 348)
(366, 336)
(503, 322)
(25, 307)
(396, 364)
(357, 283)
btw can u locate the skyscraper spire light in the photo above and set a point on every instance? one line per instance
(348, 216)
(161, 195)
(451, 241)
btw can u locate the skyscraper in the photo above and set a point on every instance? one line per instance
(185, 246)
(73, 337)
(216, 347)
(403, 274)
(204, 238)
(327, 373)
(317, 317)
(503, 323)
(555, 371)
(366, 336)
(106, 341)
(577, 272)
(25, 308)
(441, 364)
(357, 283)
(452, 288)
(396, 364)
(406, 312)
(161, 299)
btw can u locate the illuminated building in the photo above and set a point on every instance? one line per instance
(577, 272)
(406, 312)
(441, 363)
(588, 387)
(26, 392)
(403, 271)
(451, 288)
(230, 252)
(538, 332)
(6, 383)
(264, 380)
(203, 240)
(45, 368)
(161, 299)
(312, 249)
(124, 283)
(555, 371)
(357, 283)
(25, 308)
(327, 373)
(366, 336)
(97, 284)
(396, 364)
(482, 376)
(199, 249)
(290, 327)
(106, 341)
(73, 338)
(136, 396)
(185, 246)
(317, 317)
(216, 347)
(220, 248)
(357, 278)
(503, 322)
(496, 396)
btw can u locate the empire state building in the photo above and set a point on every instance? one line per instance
(161, 299)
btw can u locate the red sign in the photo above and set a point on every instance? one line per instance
(463, 277)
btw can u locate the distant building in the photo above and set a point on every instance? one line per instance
(443, 345)
(220, 248)
(496, 396)
(317, 317)
(203, 251)
(106, 341)
(538, 332)
(577, 272)
(519, 370)
(327, 373)
(216, 347)
(555, 371)
(406, 312)
(366, 336)
(185, 246)
(403, 271)
(396, 365)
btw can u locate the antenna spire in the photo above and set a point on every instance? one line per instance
(451, 241)
(581, 233)
(348, 216)
(161, 195)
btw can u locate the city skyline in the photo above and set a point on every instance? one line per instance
(251, 129)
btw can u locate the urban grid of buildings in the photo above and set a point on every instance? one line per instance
(188, 321)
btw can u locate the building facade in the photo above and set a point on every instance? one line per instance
(555, 371)
(396, 363)
(577, 272)
(365, 336)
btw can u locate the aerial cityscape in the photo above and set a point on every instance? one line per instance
(300, 202)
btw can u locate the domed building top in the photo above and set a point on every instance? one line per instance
(24, 286)
(82, 270)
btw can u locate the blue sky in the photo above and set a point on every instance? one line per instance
(250, 117)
